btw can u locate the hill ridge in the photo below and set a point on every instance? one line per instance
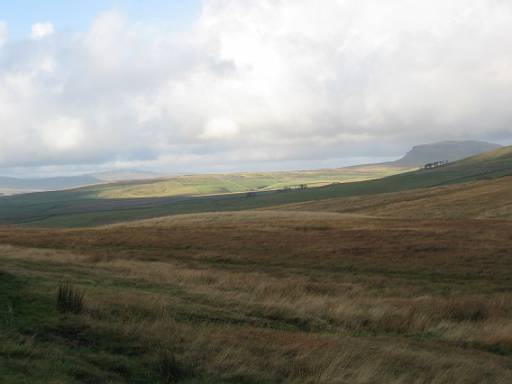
(450, 150)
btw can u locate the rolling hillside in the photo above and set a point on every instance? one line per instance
(475, 200)
(212, 184)
(198, 185)
(81, 208)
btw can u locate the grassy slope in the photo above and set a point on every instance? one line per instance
(76, 208)
(197, 185)
(477, 199)
(260, 297)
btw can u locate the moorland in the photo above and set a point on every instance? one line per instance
(402, 279)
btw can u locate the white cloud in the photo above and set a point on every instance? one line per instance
(62, 134)
(257, 82)
(41, 30)
(220, 128)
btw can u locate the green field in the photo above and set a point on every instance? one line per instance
(214, 184)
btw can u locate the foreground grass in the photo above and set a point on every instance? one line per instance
(40, 346)
(260, 297)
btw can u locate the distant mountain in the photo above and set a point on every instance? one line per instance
(9, 185)
(13, 185)
(124, 175)
(444, 150)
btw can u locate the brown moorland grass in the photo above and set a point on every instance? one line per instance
(477, 199)
(289, 296)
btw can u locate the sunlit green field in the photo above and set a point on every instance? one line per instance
(198, 185)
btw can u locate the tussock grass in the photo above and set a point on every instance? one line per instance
(69, 299)
(169, 368)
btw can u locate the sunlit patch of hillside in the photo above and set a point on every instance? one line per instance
(197, 185)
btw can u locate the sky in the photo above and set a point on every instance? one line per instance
(232, 85)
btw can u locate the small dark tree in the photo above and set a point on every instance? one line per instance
(69, 299)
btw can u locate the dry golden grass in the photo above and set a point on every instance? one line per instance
(293, 296)
(480, 199)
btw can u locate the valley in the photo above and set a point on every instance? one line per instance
(255, 192)
(84, 207)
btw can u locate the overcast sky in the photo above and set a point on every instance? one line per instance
(214, 85)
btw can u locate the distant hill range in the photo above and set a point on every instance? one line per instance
(13, 185)
(156, 186)
(444, 150)
(124, 175)
(478, 187)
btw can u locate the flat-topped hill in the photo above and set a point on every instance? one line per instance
(444, 150)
